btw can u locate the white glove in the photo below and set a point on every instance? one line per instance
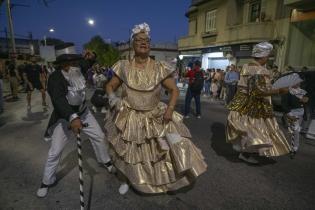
(113, 100)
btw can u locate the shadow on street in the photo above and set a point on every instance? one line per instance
(224, 149)
(35, 116)
(3, 120)
(219, 145)
(71, 161)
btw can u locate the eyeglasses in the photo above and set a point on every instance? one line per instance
(142, 40)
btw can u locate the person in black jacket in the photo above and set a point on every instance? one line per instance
(66, 88)
(293, 106)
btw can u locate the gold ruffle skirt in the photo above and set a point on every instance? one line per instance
(140, 151)
(256, 135)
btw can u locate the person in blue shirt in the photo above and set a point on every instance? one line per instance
(231, 79)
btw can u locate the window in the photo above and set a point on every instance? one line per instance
(255, 8)
(211, 21)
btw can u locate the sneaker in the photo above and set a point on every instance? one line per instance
(186, 117)
(110, 167)
(42, 191)
(247, 159)
(198, 116)
(123, 189)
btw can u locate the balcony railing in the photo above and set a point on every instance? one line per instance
(300, 4)
(189, 42)
(249, 31)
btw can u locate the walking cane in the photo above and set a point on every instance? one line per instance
(79, 141)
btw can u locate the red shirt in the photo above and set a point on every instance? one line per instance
(191, 74)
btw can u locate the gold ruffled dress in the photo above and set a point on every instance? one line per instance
(251, 125)
(137, 135)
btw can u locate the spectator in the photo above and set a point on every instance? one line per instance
(14, 80)
(20, 69)
(207, 82)
(50, 69)
(87, 63)
(195, 86)
(214, 88)
(222, 91)
(99, 78)
(32, 76)
(231, 79)
(43, 76)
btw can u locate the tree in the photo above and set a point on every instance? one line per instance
(107, 55)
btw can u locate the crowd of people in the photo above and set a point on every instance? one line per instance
(214, 83)
(25, 78)
(32, 75)
(217, 83)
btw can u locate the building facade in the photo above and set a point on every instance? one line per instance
(222, 32)
(23, 46)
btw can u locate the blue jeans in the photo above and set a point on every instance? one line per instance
(231, 90)
(189, 96)
(207, 87)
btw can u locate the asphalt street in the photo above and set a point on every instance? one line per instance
(228, 183)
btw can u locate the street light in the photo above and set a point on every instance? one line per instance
(91, 22)
(51, 30)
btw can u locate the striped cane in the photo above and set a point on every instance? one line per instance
(292, 136)
(80, 171)
(79, 149)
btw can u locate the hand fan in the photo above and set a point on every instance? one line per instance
(287, 81)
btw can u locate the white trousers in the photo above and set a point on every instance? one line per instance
(295, 127)
(62, 135)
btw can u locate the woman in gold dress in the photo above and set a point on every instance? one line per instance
(251, 125)
(151, 146)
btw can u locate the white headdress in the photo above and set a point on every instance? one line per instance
(262, 49)
(143, 27)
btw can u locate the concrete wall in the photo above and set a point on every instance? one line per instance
(301, 49)
(232, 23)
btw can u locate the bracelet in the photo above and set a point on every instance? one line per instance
(171, 107)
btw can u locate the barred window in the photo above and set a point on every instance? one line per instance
(211, 21)
(255, 8)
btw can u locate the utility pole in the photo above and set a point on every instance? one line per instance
(11, 31)
(6, 39)
(129, 56)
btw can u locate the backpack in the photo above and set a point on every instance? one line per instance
(197, 84)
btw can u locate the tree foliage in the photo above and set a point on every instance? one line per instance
(107, 55)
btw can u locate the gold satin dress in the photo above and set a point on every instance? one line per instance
(251, 125)
(137, 133)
